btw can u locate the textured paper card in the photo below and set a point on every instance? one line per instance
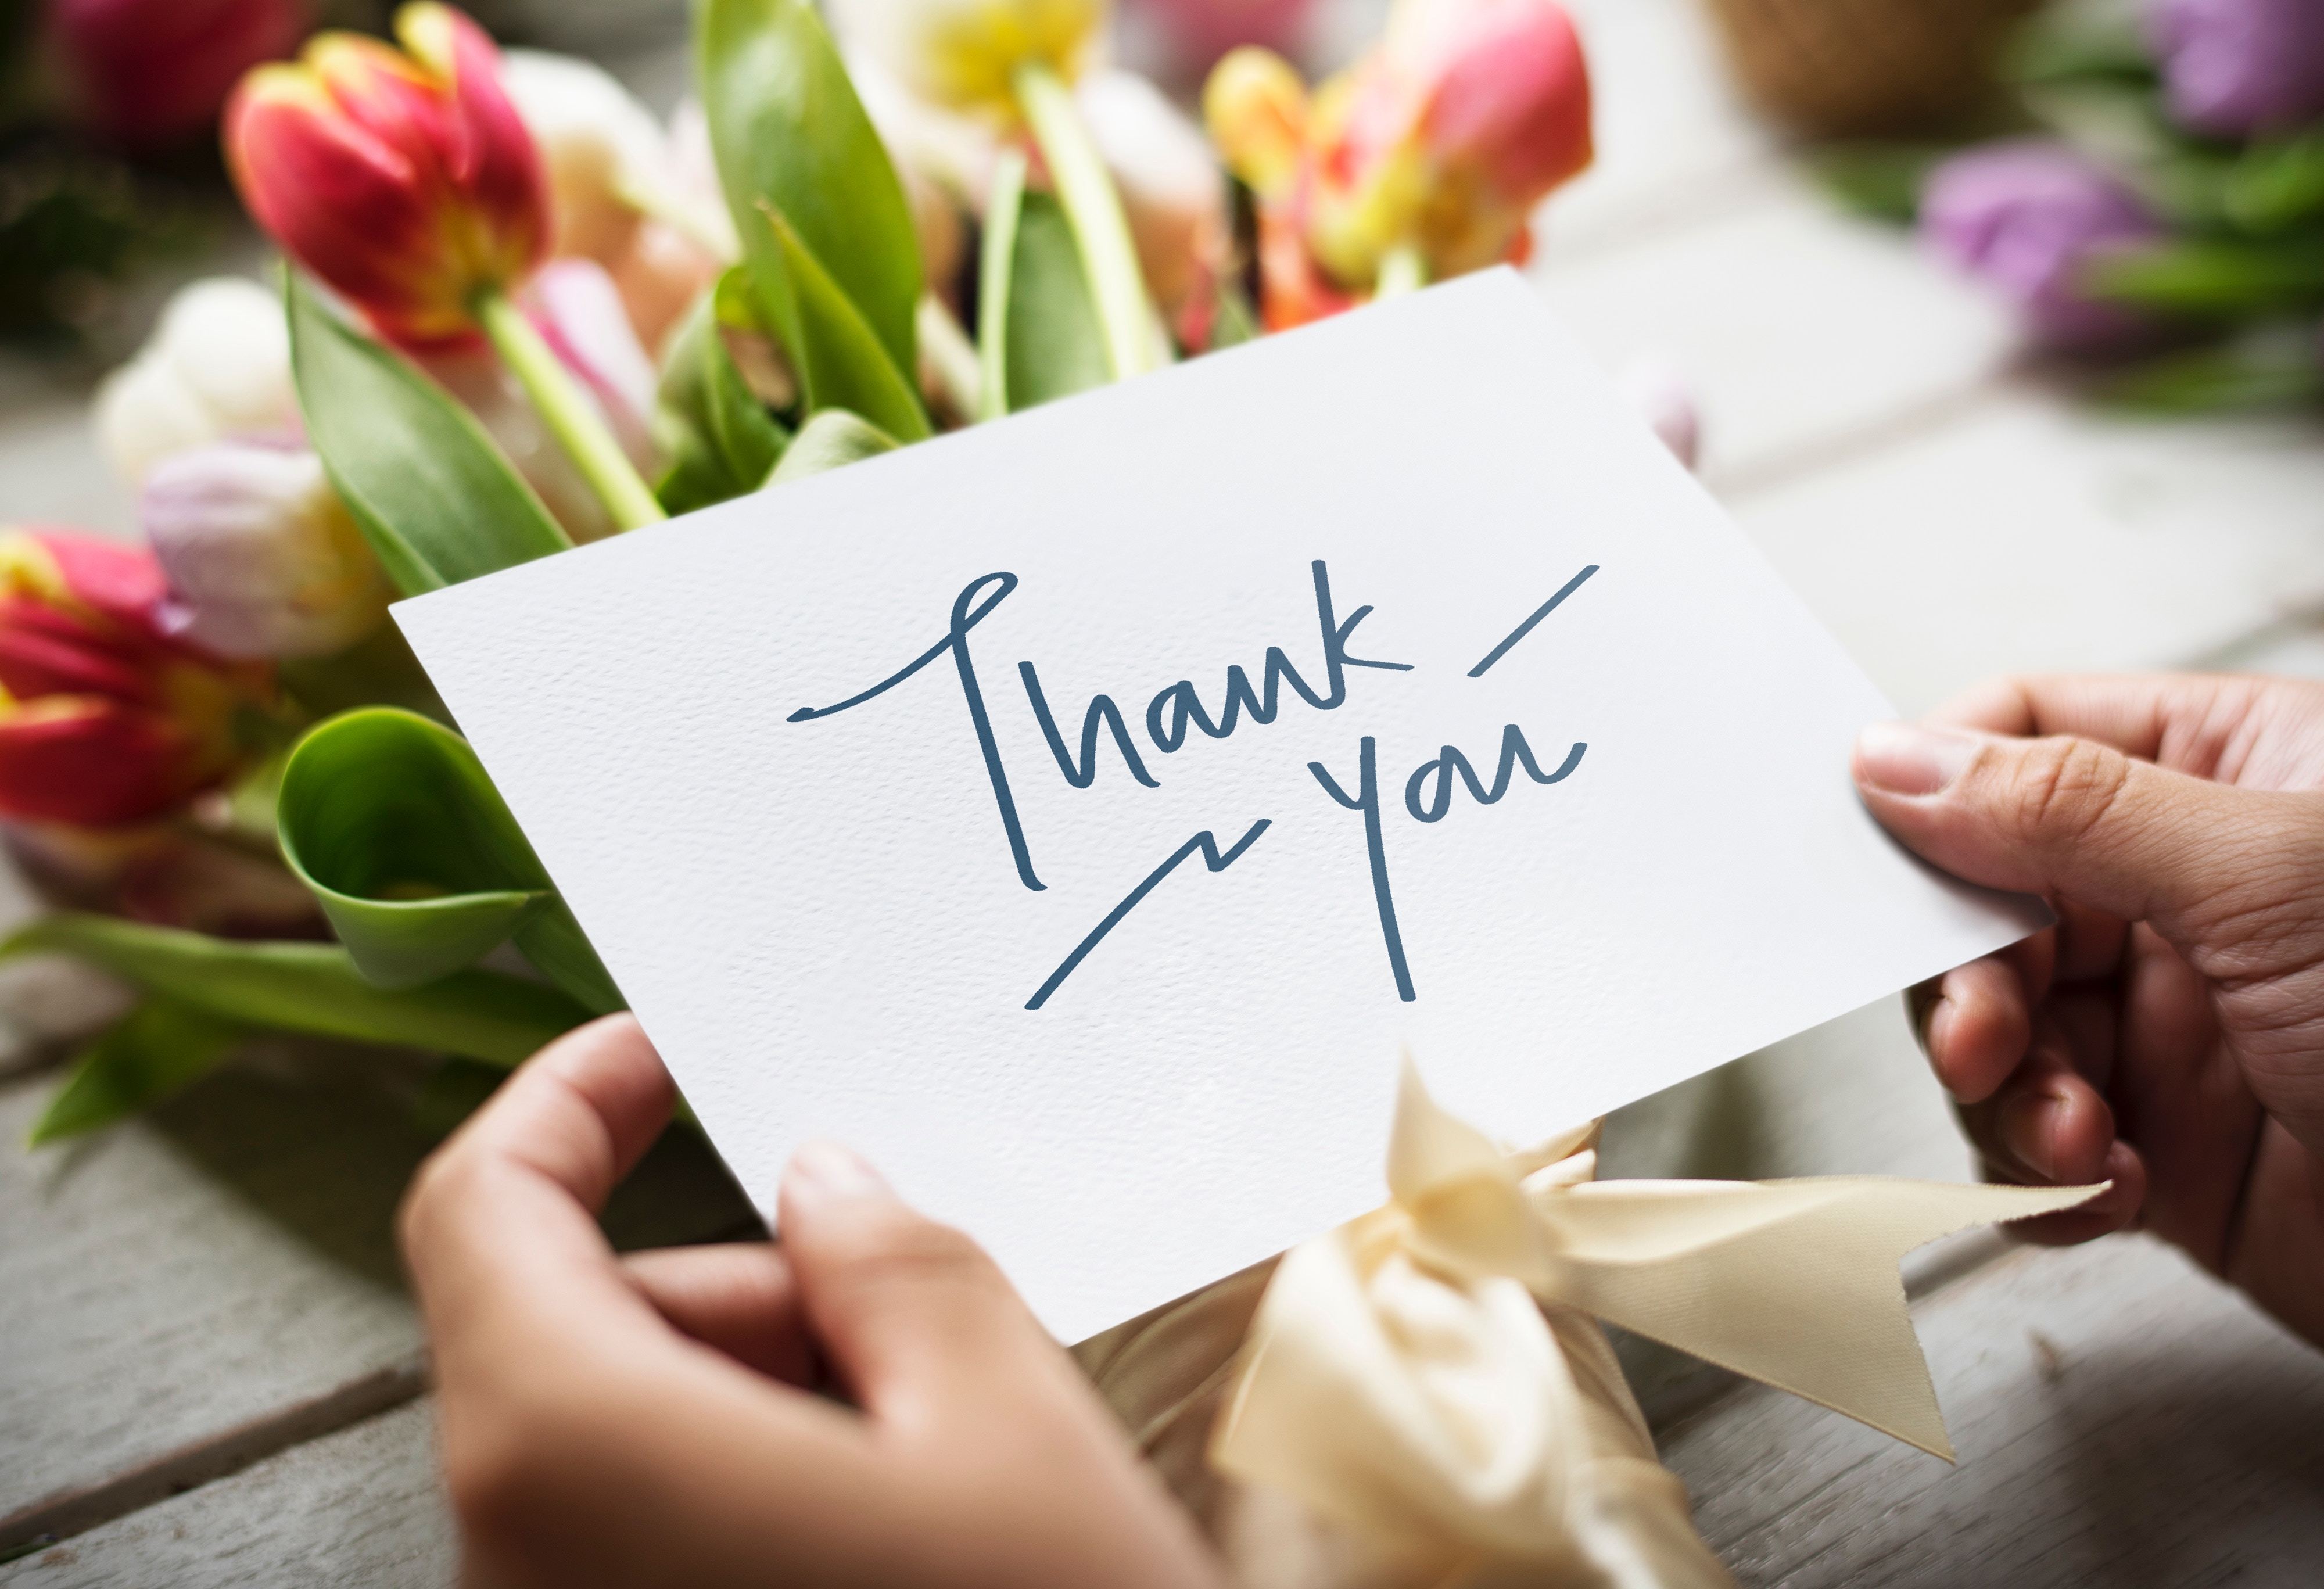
(1079, 813)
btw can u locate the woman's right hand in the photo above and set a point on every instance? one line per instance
(649, 1422)
(2168, 1034)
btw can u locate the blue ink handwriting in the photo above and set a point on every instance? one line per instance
(1526, 628)
(1367, 800)
(1204, 841)
(967, 612)
(1514, 751)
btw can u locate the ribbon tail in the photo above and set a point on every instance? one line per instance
(1791, 1283)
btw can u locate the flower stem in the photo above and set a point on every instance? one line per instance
(1402, 269)
(993, 282)
(1093, 211)
(947, 354)
(577, 426)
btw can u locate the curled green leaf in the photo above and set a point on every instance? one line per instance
(390, 820)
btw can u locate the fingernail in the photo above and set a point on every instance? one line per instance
(826, 1172)
(1906, 758)
(2023, 1123)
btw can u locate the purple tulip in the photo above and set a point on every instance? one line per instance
(2236, 68)
(2024, 217)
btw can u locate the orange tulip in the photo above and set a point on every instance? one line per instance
(106, 718)
(405, 179)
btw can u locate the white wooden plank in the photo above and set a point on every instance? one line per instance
(2120, 1417)
(227, 1257)
(174, 1278)
(2031, 535)
(1796, 325)
(360, 1507)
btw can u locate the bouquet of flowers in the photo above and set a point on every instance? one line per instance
(2166, 226)
(520, 312)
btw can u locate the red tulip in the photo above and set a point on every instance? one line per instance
(406, 180)
(105, 718)
(147, 72)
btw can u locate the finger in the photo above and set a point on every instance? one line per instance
(2080, 821)
(2047, 1124)
(2177, 719)
(2115, 1208)
(502, 1217)
(1978, 1028)
(912, 1315)
(736, 1297)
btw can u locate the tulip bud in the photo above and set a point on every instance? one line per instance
(406, 180)
(2235, 69)
(2026, 217)
(961, 54)
(1665, 399)
(261, 554)
(106, 718)
(217, 364)
(145, 73)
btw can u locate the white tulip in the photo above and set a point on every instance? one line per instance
(217, 364)
(1163, 167)
(260, 550)
(961, 54)
(601, 147)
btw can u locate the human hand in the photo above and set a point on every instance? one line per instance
(2168, 1034)
(651, 1420)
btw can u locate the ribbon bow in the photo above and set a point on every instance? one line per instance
(1430, 1376)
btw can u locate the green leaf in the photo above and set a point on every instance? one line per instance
(1875, 178)
(833, 439)
(156, 1051)
(840, 362)
(2276, 185)
(1056, 346)
(433, 496)
(2078, 49)
(719, 437)
(790, 134)
(2253, 373)
(312, 988)
(378, 670)
(2213, 276)
(390, 820)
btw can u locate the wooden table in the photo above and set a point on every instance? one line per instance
(211, 1375)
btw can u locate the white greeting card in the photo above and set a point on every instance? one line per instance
(1078, 814)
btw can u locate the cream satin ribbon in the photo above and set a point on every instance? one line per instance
(1426, 1397)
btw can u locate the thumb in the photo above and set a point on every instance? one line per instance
(915, 1317)
(2080, 821)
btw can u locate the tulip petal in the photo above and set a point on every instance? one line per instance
(91, 762)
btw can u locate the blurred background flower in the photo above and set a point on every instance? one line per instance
(2234, 69)
(147, 73)
(2028, 218)
(107, 716)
